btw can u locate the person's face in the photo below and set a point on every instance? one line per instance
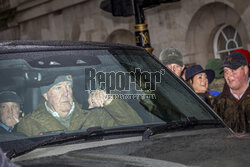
(200, 83)
(236, 79)
(9, 113)
(177, 69)
(59, 98)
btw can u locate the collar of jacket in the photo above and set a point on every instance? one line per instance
(6, 127)
(226, 92)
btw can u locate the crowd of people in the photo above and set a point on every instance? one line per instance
(224, 85)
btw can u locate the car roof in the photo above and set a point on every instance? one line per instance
(43, 45)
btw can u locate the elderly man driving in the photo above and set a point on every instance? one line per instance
(59, 112)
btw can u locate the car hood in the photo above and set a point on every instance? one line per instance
(184, 149)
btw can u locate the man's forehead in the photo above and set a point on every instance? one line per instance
(226, 68)
(5, 103)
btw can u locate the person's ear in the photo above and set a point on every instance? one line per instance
(45, 95)
(246, 70)
(173, 68)
(190, 82)
(182, 68)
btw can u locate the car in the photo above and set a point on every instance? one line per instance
(176, 127)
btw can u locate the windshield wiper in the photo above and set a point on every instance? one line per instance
(60, 138)
(95, 132)
(191, 121)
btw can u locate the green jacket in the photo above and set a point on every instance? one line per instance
(236, 114)
(117, 113)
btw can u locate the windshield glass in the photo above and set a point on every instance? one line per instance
(48, 92)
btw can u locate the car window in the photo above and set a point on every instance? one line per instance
(142, 90)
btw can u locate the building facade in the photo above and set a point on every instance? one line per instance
(200, 29)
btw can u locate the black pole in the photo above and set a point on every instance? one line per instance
(141, 29)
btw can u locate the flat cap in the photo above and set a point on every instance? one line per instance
(171, 56)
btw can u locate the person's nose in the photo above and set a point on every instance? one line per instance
(65, 91)
(10, 110)
(203, 80)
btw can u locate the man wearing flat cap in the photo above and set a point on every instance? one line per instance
(60, 112)
(172, 59)
(9, 110)
(233, 104)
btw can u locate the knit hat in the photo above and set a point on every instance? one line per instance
(235, 60)
(215, 65)
(10, 96)
(245, 53)
(171, 56)
(62, 78)
(196, 69)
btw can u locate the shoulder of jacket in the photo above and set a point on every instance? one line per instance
(39, 115)
(221, 97)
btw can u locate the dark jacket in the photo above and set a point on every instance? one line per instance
(115, 114)
(205, 98)
(2, 130)
(236, 114)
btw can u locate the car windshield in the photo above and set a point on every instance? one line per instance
(63, 90)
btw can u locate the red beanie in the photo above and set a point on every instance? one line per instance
(245, 53)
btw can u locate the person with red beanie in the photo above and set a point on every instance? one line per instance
(245, 53)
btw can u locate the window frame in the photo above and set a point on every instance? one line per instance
(217, 52)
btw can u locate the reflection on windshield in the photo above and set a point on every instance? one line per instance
(65, 91)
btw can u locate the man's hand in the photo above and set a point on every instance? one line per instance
(98, 98)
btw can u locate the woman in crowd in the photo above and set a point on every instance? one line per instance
(198, 79)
